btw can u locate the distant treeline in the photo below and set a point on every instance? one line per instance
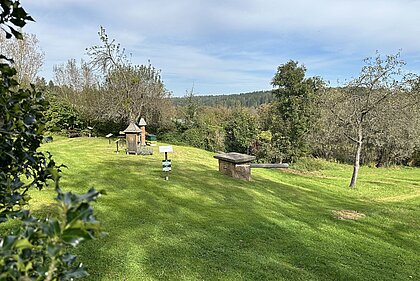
(253, 99)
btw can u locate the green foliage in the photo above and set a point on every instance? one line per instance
(14, 17)
(253, 99)
(263, 149)
(295, 98)
(194, 137)
(265, 136)
(62, 117)
(35, 251)
(22, 167)
(210, 138)
(173, 137)
(213, 128)
(190, 109)
(202, 130)
(310, 164)
(105, 126)
(38, 250)
(241, 131)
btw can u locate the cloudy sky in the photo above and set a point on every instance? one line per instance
(231, 46)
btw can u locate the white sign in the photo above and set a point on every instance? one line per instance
(166, 165)
(166, 148)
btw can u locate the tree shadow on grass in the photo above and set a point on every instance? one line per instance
(203, 225)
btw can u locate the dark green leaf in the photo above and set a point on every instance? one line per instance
(17, 34)
(74, 236)
(78, 272)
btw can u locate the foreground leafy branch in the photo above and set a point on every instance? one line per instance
(22, 167)
(39, 248)
(12, 18)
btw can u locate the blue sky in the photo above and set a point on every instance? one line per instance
(231, 46)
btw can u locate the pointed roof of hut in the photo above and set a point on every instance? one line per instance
(142, 122)
(132, 128)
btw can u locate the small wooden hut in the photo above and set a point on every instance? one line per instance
(132, 137)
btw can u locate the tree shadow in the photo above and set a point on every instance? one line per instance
(204, 225)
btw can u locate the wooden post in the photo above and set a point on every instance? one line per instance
(143, 135)
(165, 165)
(142, 124)
(166, 173)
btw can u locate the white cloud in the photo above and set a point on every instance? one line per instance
(232, 44)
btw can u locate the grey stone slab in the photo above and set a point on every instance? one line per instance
(234, 157)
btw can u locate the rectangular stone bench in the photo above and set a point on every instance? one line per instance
(235, 165)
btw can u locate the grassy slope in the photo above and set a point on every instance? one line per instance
(203, 225)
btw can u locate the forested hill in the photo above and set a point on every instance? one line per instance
(252, 99)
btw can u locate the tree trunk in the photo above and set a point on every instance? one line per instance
(380, 158)
(356, 165)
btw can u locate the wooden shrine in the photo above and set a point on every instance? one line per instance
(132, 138)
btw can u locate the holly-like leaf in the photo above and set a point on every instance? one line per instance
(16, 34)
(22, 244)
(78, 272)
(74, 236)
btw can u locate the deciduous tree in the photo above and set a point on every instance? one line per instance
(76, 88)
(361, 106)
(26, 55)
(133, 91)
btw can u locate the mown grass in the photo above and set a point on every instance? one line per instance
(201, 225)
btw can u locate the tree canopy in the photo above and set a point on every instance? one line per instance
(295, 112)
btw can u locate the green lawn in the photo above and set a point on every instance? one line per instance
(201, 225)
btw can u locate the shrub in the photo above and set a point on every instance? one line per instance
(310, 164)
(62, 117)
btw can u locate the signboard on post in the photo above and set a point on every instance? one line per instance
(166, 149)
(166, 163)
(109, 137)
